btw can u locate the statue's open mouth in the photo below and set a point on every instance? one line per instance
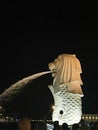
(53, 70)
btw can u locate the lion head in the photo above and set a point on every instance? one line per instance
(66, 70)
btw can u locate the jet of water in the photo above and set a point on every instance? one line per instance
(16, 88)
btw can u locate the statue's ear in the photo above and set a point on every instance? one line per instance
(59, 56)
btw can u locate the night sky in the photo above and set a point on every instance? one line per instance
(32, 36)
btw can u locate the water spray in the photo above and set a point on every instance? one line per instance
(16, 88)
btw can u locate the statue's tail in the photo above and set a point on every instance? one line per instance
(16, 88)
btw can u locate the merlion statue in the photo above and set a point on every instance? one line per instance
(66, 89)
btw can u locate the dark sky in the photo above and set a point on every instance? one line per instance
(33, 35)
